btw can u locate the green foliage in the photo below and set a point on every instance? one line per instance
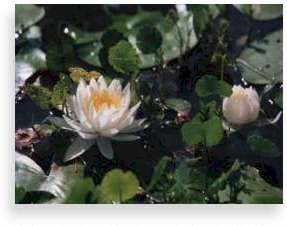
(177, 104)
(111, 37)
(148, 39)
(123, 58)
(261, 11)
(158, 172)
(32, 56)
(80, 37)
(262, 146)
(278, 98)
(257, 190)
(210, 85)
(81, 191)
(30, 177)
(208, 133)
(119, 186)
(178, 38)
(27, 15)
(60, 55)
(261, 62)
(19, 194)
(60, 90)
(40, 95)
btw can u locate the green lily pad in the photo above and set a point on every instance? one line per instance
(119, 186)
(123, 58)
(26, 15)
(210, 85)
(178, 104)
(263, 146)
(158, 172)
(171, 47)
(261, 11)
(209, 132)
(149, 39)
(262, 62)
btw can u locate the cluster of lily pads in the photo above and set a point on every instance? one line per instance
(155, 108)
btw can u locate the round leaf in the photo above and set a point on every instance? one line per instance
(123, 58)
(119, 186)
(262, 61)
(148, 39)
(262, 146)
(177, 104)
(27, 15)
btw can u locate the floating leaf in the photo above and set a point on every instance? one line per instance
(210, 85)
(80, 37)
(28, 61)
(60, 90)
(213, 131)
(148, 39)
(60, 55)
(263, 146)
(119, 186)
(27, 15)
(278, 98)
(257, 190)
(31, 177)
(176, 41)
(123, 58)
(178, 104)
(111, 37)
(79, 191)
(261, 62)
(19, 194)
(192, 133)
(209, 132)
(39, 94)
(261, 11)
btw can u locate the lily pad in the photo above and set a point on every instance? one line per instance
(208, 133)
(26, 15)
(176, 40)
(261, 11)
(178, 104)
(263, 146)
(261, 62)
(123, 58)
(119, 186)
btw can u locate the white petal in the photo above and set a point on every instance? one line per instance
(109, 132)
(115, 86)
(87, 136)
(93, 86)
(77, 148)
(102, 85)
(73, 124)
(105, 147)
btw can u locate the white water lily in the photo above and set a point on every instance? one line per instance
(100, 113)
(242, 107)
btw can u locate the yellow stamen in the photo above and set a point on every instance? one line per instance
(105, 97)
(237, 95)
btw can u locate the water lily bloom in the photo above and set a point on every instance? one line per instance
(242, 107)
(100, 113)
